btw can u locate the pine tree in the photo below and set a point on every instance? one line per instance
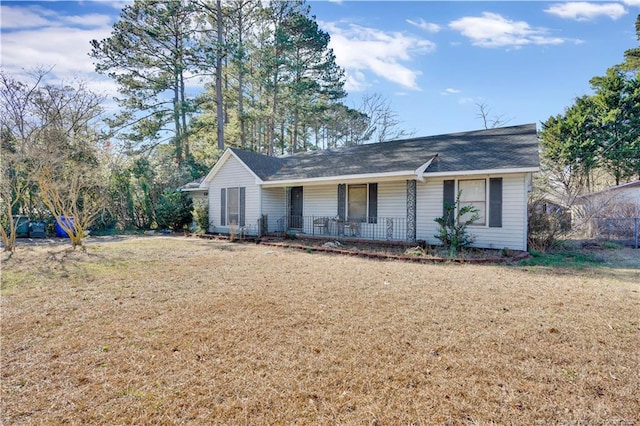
(151, 54)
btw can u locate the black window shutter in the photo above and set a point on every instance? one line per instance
(449, 197)
(342, 201)
(495, 202)
(241, 207)
(223, 207)
(373, 203)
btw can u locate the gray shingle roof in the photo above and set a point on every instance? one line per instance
(264, 166)
(192, 186)
(511, 147)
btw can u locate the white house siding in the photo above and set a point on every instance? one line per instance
(234, 174)
(512, 234)
(273, 206)
(392, 199)
(320, 200)
(392, 205)
(428, 206)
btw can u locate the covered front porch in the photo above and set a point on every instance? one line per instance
(381, 211)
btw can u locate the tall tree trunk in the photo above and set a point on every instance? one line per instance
(241, 118)
(219, 112)
(282, 141)
(184, 134)
(294, 140)
(225, 79)
(274, 110)
(176, 120)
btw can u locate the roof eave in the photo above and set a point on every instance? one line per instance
(389, 176)
(199, 189)
(483, 172)
(365, 177)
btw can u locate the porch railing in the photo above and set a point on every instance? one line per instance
(373, 228)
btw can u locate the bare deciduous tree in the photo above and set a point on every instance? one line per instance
(490, 122)
(50, 141)
(75, 199)
(384, 123)
(16, 97)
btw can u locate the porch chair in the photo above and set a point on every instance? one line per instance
(352, 228)
(321, 225)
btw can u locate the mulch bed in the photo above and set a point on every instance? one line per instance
(385, 250)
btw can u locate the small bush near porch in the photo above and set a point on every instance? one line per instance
(168, 330)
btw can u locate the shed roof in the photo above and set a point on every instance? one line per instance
(633, 185)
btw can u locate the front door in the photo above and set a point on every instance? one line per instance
(295, 213)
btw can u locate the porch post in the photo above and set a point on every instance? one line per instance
(411, 210)
(287, 213)
(342, 201)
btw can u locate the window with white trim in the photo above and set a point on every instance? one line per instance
(357, 202)
(474, 192)
(362, 202)
(233, 206)
(485, 194)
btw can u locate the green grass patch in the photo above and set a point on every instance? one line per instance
(562, 259)
(611, 245)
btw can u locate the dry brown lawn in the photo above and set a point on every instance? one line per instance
(168, 330)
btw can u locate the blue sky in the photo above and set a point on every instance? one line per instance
(434, 61)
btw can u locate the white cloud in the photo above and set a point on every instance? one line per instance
(467, 101)
(90, 20)
(631, 2)
(493, 30)
(65, 48)
(450, 91)
(35, 37)
(361, 49)
(17, 17)
(585, 11)
(119, 4)
(423, 25)
(45, 39)
(21, 17)
(356, 81)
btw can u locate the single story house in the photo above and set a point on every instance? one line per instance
(383, 191)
